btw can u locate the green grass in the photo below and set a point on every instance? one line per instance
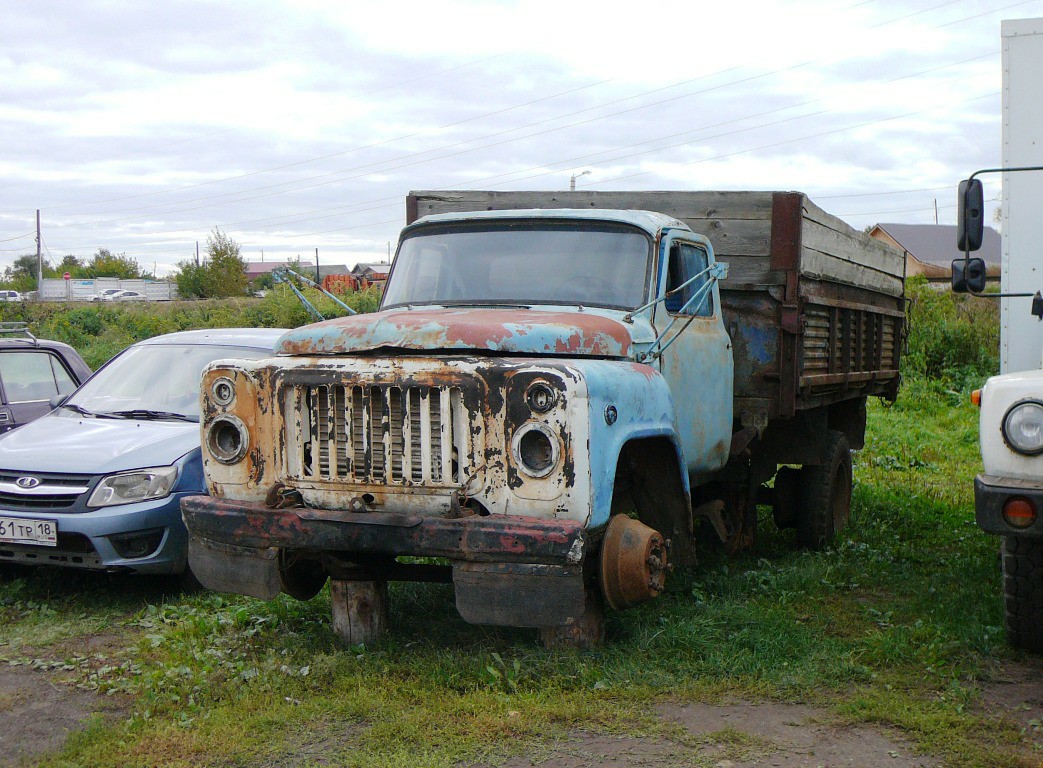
(895, 625)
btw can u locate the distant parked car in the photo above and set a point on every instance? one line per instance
(32, 371)
(97, 483)
(11, 296)
(116, 294)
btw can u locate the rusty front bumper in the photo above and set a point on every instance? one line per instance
(514, 571)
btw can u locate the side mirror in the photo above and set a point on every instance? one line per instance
(970, 224)
(57, 400)
(968, 275)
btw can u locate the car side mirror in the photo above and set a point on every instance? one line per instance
(968, 275)
(970, 223)
(57, 400)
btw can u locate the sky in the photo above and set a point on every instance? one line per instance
(291, 127)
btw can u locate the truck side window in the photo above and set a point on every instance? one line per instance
(686, 261)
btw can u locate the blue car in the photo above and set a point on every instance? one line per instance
(96, 484)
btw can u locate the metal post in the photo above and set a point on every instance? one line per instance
(318, 277)
(39, 260)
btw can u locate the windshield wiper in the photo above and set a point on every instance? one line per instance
(484, 305)
(85, 412)
(147, 415)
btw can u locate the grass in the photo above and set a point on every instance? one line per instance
(896, 625)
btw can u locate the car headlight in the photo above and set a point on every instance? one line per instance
(227, 439)
(1023, 427)
(138, 485)
(535, 449)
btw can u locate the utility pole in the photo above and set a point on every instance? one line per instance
(936, 211)
(39, 260)
(197, 253)
(318, 277)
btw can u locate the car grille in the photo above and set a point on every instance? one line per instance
(379, 434)
(54, 492)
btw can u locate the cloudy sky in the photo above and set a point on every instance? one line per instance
(139, 127)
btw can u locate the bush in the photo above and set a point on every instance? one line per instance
(953, 338)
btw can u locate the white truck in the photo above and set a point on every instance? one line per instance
(1009, 491)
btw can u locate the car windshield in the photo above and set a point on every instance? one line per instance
(521, 263)
(159, 381)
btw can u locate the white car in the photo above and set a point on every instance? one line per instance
(11, 296)
(117, 294)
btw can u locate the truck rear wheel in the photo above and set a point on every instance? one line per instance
(1023, 591)
(825, 495)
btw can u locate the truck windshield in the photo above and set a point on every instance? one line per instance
(590, 263)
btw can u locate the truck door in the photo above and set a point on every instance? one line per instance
(696, 357)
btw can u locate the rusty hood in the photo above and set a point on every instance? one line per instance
(509, 331)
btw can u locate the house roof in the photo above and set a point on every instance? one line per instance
(376, 267)
(258, 268)
(936, 243)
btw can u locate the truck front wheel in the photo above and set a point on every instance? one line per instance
(1023, 591)
(825, 495)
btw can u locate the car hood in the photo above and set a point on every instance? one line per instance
(78, 445)
(512, 331)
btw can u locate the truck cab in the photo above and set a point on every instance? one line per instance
(1008, 493)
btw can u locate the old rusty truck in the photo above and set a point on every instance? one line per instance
(557, 387)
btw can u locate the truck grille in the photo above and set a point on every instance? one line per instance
(378, 434)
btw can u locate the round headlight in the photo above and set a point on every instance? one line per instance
(1023, 427)
(227, 439)
(223, 391)
(535, 450)
(541, 397)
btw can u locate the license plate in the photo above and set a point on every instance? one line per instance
(18, 530)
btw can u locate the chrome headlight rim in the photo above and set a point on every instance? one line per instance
(1010, 439)
(531, 428)
(541, 397)
(167, 475)
(227, 439)
(222, 390)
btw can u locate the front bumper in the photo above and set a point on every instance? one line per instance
(85, 538)
(507, 570)
(992, 492)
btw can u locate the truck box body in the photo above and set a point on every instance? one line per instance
(815, 309)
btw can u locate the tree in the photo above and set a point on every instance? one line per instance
(223, 272)
(21, 275)
(227, 269)
(105, 263)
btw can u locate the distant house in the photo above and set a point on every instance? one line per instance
(374, 273)
(254, 269)
(931, 248)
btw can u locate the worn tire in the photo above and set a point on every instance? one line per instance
(825, 495)
(1023, 591)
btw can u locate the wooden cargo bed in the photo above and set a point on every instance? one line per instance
(815, 309)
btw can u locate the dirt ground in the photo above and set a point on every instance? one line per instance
(38, 712)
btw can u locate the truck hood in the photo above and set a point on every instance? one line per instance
(76, 445)
(511, 331)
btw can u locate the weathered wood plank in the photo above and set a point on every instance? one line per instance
(360, 610)
(856, 247)
(824, 266)
(679, 204)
